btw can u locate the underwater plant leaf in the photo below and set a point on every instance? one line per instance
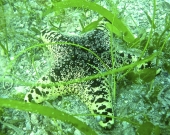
(117, 23)
(146, 75)
(12, 126)
(113, 29)
(5, 51)
(167, 67)
(47, 111)
(167, 21)
(156, 130)
(1, 112)
(37, 31)
(131, 76)
(135, 43)
(2, 133)
(147, 128)
(91, 26)
(154, 96)
(150, 20)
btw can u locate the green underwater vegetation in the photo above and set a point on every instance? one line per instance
(153, 46)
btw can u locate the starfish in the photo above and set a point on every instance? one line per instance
(71, 62)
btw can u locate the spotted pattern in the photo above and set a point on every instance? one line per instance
(71, 62)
